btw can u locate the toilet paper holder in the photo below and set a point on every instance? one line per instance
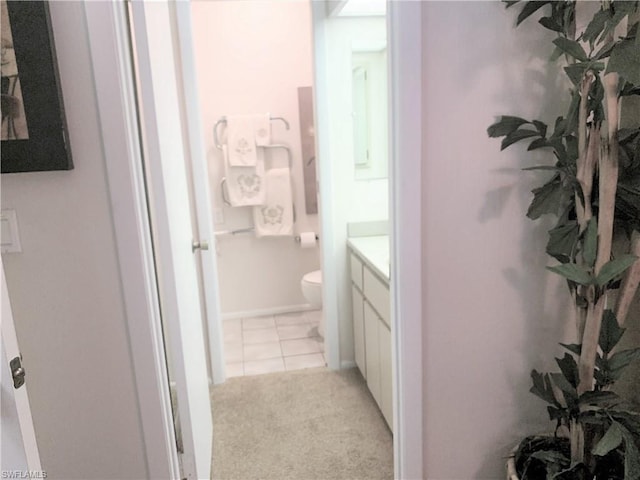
(297, 238)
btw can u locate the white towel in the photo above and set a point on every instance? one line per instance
(241, 140)
(275, 217)
(262, 129)
(245, 185)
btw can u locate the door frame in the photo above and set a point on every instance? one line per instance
(405, 181)
(107, 29)
(107, 26)
(405, 60)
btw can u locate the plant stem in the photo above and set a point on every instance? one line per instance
(608, 183)
(587, 361)
(585, 86)
(608, 174)
(577, 442)
(630, 282)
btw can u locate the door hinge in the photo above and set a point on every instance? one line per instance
(17, 372)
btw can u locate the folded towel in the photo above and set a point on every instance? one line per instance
(245, 185)
(262, 129)
(275, 217)
(241, 140)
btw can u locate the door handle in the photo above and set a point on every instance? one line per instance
(202, 245)
(17, 372)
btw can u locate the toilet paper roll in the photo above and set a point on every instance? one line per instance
(308, 239)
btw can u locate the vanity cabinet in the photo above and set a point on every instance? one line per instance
(372, 333)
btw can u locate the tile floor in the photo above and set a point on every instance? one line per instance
(273, 343)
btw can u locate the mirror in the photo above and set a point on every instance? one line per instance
(369, 112)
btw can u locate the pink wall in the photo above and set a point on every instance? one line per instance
(491, 312)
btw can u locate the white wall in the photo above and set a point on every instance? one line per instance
(492, 312)
(251, 57)
(353, 200)
(66, 294)
(358, 199)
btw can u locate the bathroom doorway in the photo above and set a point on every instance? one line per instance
(415, 370)
(253, 60)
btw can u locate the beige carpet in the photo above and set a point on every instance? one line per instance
(303, 425)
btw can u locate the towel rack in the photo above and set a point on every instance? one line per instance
(225, 199)
(223, 120)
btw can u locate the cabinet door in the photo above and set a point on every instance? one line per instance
(358, 330)
(386, 381)
(372, 348)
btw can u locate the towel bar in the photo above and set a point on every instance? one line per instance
(224, 120)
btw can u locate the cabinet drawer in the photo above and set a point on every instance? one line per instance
(377, 293)
(386, 374)
(372, 348)
(358, 330)
(356, 271)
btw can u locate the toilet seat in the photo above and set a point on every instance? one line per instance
(314, 277)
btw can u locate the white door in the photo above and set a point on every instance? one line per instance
(165, 159)
(201, 191)
(18, 447)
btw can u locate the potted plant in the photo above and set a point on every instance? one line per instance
(593, 189)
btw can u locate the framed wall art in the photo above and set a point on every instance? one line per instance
(34, 134)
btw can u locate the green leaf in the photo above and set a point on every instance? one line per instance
(610, 332)
(610, 441)
(505, 125)
(569, 369)
(546, 199)
(572, 116)
(599, 398)
(590, 245)
(613, 268)
(529, 9)
(540, 126)
(605, 51)
(573, 272)
(571, 47)
(569, 392)
(619, 361)
(551, 457)
(625, 59)
(541, 167)
(563, 240)
(573, 347)
(595, 27)
(551, 24)
(516, 136)
(631, 454)
(538, 143)
(575, 72)
(542, 387)
(556, 54)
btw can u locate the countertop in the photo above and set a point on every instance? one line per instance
(374, 251)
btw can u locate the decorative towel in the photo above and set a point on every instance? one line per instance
(275, 217)
(262, 129)
(241, 141)
(245, 185)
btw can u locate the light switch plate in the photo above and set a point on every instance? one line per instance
(9, 232)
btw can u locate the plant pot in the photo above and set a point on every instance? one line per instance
(535, 442)
(512, 474)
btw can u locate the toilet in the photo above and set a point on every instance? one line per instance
(312, 290)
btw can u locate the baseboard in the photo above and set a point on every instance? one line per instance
(344, 364)
(261, 312)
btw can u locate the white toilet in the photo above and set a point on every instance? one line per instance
(312, 290)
